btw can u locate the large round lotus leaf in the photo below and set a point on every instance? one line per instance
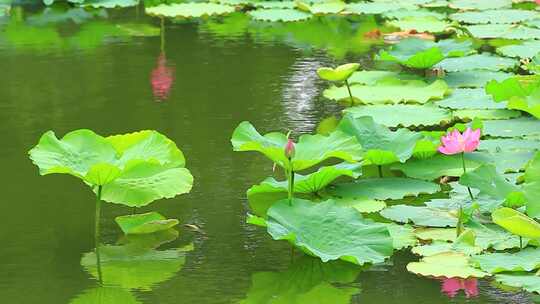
(381, 146)
(390, 91)
(522, 93)
(402, 236)
(465, 244)
(142, 182)
(470, 99)
(322, 8)
(310, 149)
(466, 114)
(479, 5)
(144, 223)
(516, 222)
(424, 216)
(361, 204)
(340, 73)
(407, 13)
(508, 161)
(447, 264)
(437, 166)
(376, 7)
(111, 3)
(422, 54)
(524, 260)
(436, 234)
(403, 115)
(306, 280)
(512, 128)
(474, 79)
(527, 281)
(421, 24)
(190, 10)
(493, 236)
(506, 31)
(488, 181)
(372, 77)
(384, 188)
(330, 231)
(124, 267)
(494, 16)
(279, 14)
(274, 4)
(527, 49)
(477, 62)
(105, 295)
(531, 187)
(311, 183)
(496, 145)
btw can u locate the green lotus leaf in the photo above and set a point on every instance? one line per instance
(327, 125)
(488, 181)
(426, 148)
(504, 31)
(522, 93)
(423, 54)
(381, 146)
(508, 144)
(142, 182)
(526, 49)
(330, 231)
(416, 13)
(465, 244)
(102, 173)
(424, 216)
(402, 236)
(422, 24)
(436, 234)
(111, 3)
(446, 264)
(493, 236)
(189, 10)
(361, 204)
(479, 5)
(274, 4)
(477, 62)
(474, 79)
(527, 281)
(531, 187)
(306, 280)
(105, 295)
(310, 149)
(279, 15)
(372, 77)
(466, 114)
(322, 8)
(340, 73)
(378, 7)
(516, 222)
(437, 166)
(147, 241)
(470, 99)
(403, 115)
(384, 188)
(311, 183)
(527, 259)
(144, 223)
(124, 267)
(519, 127)
(390, 91)
(498, 16)
(509, 161)
(255, 220)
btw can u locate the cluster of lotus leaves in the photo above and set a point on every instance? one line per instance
(132, 169)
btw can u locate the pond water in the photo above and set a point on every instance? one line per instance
(64, 73)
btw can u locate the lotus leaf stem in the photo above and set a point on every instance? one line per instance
(97, 231)
(291, 184)
(520, 242)
(380, 171)
(350, 94)
(465, 171)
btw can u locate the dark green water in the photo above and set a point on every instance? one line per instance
(65, 76)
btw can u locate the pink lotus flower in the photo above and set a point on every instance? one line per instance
(537, 1)
(455, 142)
(162, 78)
(451, 286)
(289, 149)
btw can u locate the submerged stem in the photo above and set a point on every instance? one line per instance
(380, 171)
(349, 90)
(465, 171)
(97, 231)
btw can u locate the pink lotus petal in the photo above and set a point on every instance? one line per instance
(162, 78)
(471, 287)
(455, 142)
(451, 286)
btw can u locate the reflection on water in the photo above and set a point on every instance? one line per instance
(451, 286)
(105, 295)
(162, 76)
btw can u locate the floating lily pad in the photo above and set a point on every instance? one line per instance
(521, 92)
(518, 127)
(436, 234)
(527, 49)
(474, 79)
(479, 5)
(144, 223)
(465, 114)
(527, 259)
(190, 10)
(403, 115)
(275, 4)
(470, 99)
(279, 15)
(437, 166)
(527, 281)
(376, 7)
(465, 244)
(407, 13)
(329, 231)
(361, 204)
(111, 3)
(516, 222)
(371, 77)
(500, 16)
(322, 8)
(402, 236)
(310, 149)
(384, 188)
(418, 215)
(390, 91)
(421, 24)
(340, 73)
(423, 54)
(506, 31)
(497, 145)
(381, 146)
(493, 236)
(477, 62)
(447, 264)
(531, 187)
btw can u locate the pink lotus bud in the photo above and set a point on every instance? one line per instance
(289, 148)
(455, 142)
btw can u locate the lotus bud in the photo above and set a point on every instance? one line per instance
(289, 149)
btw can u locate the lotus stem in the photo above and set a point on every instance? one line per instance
(291, 185)
(465, 171)
(459, 228)
(380, 171)
(520, 242)
(350, 94)
(97, 231)
(162, 34)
